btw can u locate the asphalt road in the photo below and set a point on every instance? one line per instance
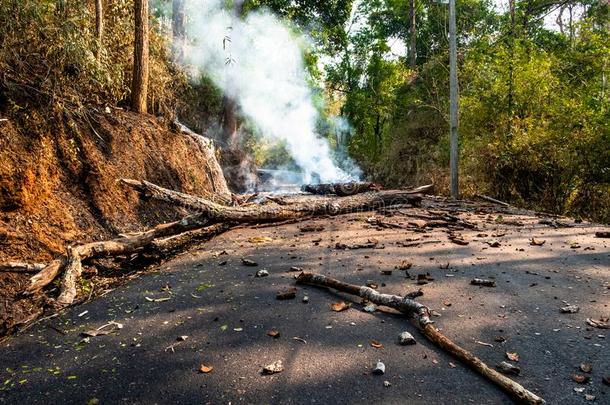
(224, 313)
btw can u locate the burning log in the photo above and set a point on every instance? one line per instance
(421, 315)
(340, 189)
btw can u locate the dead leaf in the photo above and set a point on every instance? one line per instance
(286, 294)
(507, 368)
(205, 369)
(590, 397)
(162, 299)
(447, 303)
(512, 356)
(579, 378)
(586, 367)
(339, 306)
(537, 242)
(375, 344)
(602, 323)
(499, 339)
(405, 265)
(493, 243)
(248, 262)
(273, 333)
(424, 278)
(311, 228)
(260, 239)
(569, 309)
(273, 368)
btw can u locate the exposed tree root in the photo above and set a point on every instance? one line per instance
(421, 315)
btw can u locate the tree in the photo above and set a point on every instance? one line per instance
(139, 84)
(99, 27)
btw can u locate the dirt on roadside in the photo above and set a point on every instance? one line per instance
(58, 186)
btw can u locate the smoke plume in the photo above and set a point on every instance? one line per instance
(258, 61)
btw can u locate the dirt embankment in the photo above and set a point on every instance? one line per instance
(58, 185)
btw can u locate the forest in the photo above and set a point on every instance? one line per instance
(532, 78)
(273, 201)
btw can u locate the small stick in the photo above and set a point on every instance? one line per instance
(421, 314)
(492, 200)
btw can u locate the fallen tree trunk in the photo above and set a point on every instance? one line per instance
(421, 315)
(272, 212)
(113, 247)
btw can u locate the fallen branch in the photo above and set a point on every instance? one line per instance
(18, 267)
(113, 247)
(274, 213)
(492, 200)
(421, 315)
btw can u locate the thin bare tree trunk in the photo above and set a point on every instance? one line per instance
(413, 32)
(139, 84)
(99, 27)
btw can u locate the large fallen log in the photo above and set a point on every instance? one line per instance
(272, 212)
(421, 314)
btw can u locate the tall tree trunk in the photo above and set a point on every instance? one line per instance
(99, 27)
(179, 29)
(511, 68)
(139, 84)
(413, 32)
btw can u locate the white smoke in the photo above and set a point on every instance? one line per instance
(258, 62)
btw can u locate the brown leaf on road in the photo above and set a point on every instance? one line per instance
(537, 242)
(512, 356)
(248, 262)
(602, 323)
(339, 306)
(586, 367)
(260, 239)
(447, 303)
(405, 265)
(493, 243)
(274, 333)
(286, 294)
(507, 368)
(205, 369)
(311, 228)
(579, 378)
(273, 368)
(375, 344)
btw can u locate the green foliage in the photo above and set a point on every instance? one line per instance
(534, 116)
(48, 53)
